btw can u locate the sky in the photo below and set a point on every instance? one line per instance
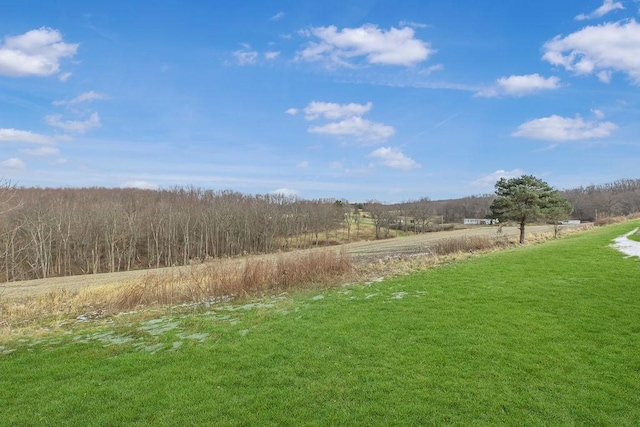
(358, 100)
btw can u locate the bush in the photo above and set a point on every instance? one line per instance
(466, 244)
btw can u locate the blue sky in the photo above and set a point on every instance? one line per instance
(385, 100)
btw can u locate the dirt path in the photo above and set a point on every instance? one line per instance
(360, 251)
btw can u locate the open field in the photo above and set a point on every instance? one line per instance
(360, 251)
(537, 335)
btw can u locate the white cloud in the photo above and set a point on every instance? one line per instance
(15, 135)
(607, 6)
(333, 111)
(412, 24)
(354, 125)
(600, 49)
(605, 76)
(363, 130)
(270, 55)
(278, 16)
(13, 164)
(287, 192)
(560, 129)
(490, 180)
(77, 126)
(64, 77)
(521, 85)
(84, 97)
(598, 113)
(394, 158)
(34, 53)
(303, 164)
(292, 111)
(340, 47)
(142, 185)
(427, 71)
(245, 56)
(42, 151)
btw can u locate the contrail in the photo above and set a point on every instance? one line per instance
(437, 125)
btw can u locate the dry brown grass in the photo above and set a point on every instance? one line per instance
(467, 244)
(336, 236)
(616, 219)
(214, 281)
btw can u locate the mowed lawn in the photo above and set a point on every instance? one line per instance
(540, 335)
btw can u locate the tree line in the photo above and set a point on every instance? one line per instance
(621, 197)
(618, 198)
(59, 232)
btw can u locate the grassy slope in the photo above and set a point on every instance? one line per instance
(546, 334)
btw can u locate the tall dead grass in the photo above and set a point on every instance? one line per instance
(211, 282)
(218, 280)
(467, 244)
(616, 219)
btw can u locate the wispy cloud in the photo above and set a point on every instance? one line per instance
(245, 56)
(489, 180)
(142, 185)
(13, 164)
(521, 85)
(41, 151)
(84, 97)
(278, 16)
(76, 126)
(607, 6)
(412, 24)
(363, 130)
(63, 77)
(561, 129)
(24, 136)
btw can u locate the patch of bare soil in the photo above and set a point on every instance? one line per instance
(360, 252)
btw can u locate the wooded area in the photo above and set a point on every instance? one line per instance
(59, 232)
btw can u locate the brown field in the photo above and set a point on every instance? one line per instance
(360, 252)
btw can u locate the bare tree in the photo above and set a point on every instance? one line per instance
(380, 215)
(8, 198)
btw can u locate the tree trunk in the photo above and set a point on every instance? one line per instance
(522, 232)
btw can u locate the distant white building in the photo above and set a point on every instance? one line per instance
(479, 221)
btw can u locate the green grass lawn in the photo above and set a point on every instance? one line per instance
(540, 335)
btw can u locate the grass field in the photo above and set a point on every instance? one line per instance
(540, 335)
